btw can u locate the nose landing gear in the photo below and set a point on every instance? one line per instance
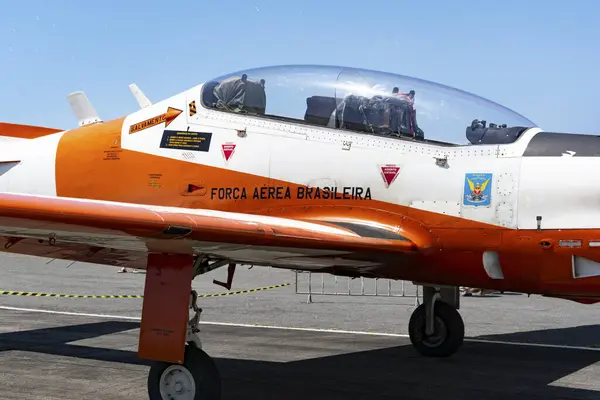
(436, 328)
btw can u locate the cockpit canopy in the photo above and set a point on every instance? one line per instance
(365, 101)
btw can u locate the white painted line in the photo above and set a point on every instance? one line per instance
(38, 310)
(291, 328)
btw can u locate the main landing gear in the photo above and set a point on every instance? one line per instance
(169, 335)
(198, 376)
(436, 328)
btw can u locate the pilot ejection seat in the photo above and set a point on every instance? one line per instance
(385, 115)
(238, 94)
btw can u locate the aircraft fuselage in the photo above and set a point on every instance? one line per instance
(239, 171)
(518, 216)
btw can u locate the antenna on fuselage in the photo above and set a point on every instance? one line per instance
(140, 97)
(83, 109)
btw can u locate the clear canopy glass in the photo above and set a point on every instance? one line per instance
(365, 101)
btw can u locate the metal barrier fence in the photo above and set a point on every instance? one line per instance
(327, 285)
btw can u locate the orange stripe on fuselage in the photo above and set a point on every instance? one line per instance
(91, 164)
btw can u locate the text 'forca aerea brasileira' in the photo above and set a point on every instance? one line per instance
(286, 192)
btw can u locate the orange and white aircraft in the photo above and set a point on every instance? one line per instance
(338, 170)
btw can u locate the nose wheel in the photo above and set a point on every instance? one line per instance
(436, 328)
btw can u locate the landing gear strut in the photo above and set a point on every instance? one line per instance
(197, 378)
(436, 328)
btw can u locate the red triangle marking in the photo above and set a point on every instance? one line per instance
(389, 173)
(228, 149)
(193, 188)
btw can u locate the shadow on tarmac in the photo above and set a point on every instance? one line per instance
(479, 370)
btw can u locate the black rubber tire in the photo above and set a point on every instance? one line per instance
(200, 365)
(447, 318)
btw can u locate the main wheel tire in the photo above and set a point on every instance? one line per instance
(197, 379)
(449, 331)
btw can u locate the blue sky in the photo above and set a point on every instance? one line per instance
(538, 57)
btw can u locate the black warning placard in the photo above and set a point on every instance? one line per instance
(186, 140)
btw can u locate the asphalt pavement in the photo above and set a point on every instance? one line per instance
(91, 354)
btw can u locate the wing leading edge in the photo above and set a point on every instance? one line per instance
(123, 234)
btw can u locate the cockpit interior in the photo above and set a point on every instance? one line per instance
(364, 101)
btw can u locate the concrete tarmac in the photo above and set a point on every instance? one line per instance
(55, 356)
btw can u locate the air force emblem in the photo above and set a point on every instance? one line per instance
(478, 190)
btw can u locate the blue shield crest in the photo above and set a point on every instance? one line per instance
(478, 190)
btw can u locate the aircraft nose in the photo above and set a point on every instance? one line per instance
(554, 144)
